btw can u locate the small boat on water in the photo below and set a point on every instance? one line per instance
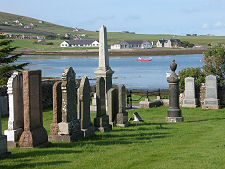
(140, 59)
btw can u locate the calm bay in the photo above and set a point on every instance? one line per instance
(134, 74)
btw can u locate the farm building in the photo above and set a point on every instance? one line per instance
(80, 43)
(132, 44)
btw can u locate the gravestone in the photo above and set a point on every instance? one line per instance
(112, 110)
(57, 110)
(84, 101)
(211, 101)
(3, 143)
(69, 127)
(4, 109)
(15, 121)
(190, 99)
(34, 133)
(102, 120)
(122, 115)
(174, 111)
(93, 107)
(137, 117)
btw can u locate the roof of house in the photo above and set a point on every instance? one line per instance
(175, 40)
(81, 41)
(132, 42)
(162, 41)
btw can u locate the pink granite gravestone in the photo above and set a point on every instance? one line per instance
(34, 133)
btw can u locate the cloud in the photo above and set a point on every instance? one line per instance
(219, 24)
(204, 26)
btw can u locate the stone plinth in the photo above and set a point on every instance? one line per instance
(190, 99)
(34, 133)
(15, 121)
(148, 104)
(174, 111)
(122, 115)
(211, 100)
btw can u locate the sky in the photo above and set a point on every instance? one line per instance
(140, 16)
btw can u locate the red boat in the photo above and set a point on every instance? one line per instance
(140, 59)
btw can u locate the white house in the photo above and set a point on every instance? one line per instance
(134, 44)
(80, 43)
(160, 43)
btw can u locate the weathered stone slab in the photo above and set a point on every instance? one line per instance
(211, 101)
(102, 120)
(68, 126)
(190, 99)
(15, 121)
(148, 104)
(122, 115)
(34, 133)
(57, 108)
(93, 107)
(112, 110)
(84, 102)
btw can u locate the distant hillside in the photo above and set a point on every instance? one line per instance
(15, 24)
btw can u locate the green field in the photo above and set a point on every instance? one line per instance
(196, 143)
(51, 28)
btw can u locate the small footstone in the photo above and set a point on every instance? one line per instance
(137, 118)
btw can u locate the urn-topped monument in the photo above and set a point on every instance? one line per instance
(174, 111)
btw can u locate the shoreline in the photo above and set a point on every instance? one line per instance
(120, 52)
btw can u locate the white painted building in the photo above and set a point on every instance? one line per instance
(135, 44)
(80, 43)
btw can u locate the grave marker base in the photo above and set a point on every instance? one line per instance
(174, 119)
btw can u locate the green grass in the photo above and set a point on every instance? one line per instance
(198, 142)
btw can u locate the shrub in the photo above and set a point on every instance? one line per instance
(214, 59)
(187, 44)
(196, 73)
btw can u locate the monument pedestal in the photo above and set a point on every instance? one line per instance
(13, 135)
(211, 104)
(34, 137)
(174, 119)
(190, 103)
(86, 133)
(122, 119)
(102, 123)
(69, 131)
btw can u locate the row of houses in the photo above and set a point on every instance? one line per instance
(129, 44)
(22, 36)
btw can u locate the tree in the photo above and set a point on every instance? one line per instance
(196, 73)
(214, 59)
(187, 44)
(7, 61)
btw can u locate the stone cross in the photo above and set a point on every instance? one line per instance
(34, 133)
(84, 102)
(122, 115)
(102, 120)
(104, 69)
(57, 108)
(174, 111)
(112, 110)
(190, 99)
(69, 127)
(15, 121)
(211, 101)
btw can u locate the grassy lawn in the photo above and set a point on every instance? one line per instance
(198, 143)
